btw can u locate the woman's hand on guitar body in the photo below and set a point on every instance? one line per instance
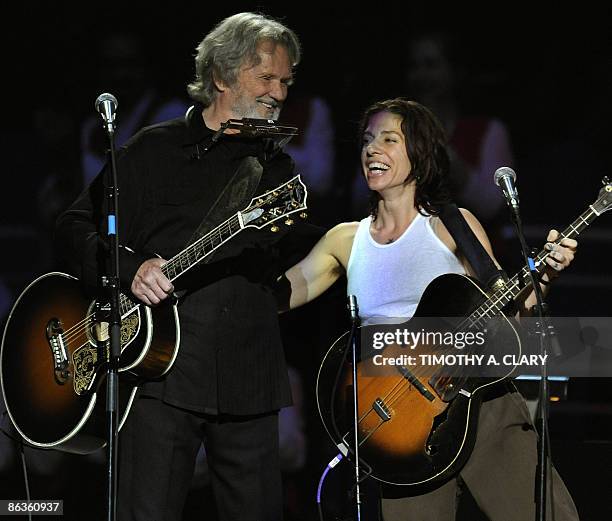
(150, 285)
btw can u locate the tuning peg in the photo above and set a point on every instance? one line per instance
(605, 180)
(274, 228)
(289, 222)
(303, 215)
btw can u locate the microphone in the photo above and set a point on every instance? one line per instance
(353, 307)
(106, 104)
(505, 178)
(256, 128)
(252, 127)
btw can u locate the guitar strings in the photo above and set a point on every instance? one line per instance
(200, 244)
(490, 304)
(81, 327)
(482, 312)
(225, 226)
(397, 391)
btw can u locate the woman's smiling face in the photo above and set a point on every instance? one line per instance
(384, 158)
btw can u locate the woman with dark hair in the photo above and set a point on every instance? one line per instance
(406, 167)
(389, 258)
(426, 148)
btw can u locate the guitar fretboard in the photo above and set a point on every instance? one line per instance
(204, 246)
(191, 255)
(510, 290)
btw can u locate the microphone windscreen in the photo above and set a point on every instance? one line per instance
(504, 171)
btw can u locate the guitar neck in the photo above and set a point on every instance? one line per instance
(192, 255)
(263, 210)
(202, 248)
(517, 284)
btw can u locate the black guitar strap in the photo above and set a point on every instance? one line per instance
(469, 245)
(239, 188)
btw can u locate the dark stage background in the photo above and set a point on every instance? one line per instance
(547, 76)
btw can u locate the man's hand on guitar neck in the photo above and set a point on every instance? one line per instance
(150, 285)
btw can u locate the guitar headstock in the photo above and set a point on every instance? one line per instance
(604, 200)
(276, 204)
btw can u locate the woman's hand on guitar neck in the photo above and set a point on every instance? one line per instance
(150, 285)
(560, 257)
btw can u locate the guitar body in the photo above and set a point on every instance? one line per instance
(410, 434)
(53, 362)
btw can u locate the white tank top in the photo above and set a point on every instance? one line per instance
(389, 279)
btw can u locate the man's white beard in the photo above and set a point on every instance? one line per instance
(243, 108)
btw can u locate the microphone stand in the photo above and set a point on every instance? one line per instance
(354, 312)
(545, 332)
(111, 283)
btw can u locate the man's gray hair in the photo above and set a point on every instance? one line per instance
(232, 43)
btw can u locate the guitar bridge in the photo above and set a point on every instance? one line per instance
(58, 351)
(411, 377)
(381, 409)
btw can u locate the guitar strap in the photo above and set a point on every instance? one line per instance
(469, 245)
(239, 188)
(485, 269)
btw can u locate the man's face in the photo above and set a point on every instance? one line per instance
(260, 90)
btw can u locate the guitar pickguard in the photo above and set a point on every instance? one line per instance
(84, 361)
(87, 358)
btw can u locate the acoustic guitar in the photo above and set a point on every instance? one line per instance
(417, 422)
(55, 344)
